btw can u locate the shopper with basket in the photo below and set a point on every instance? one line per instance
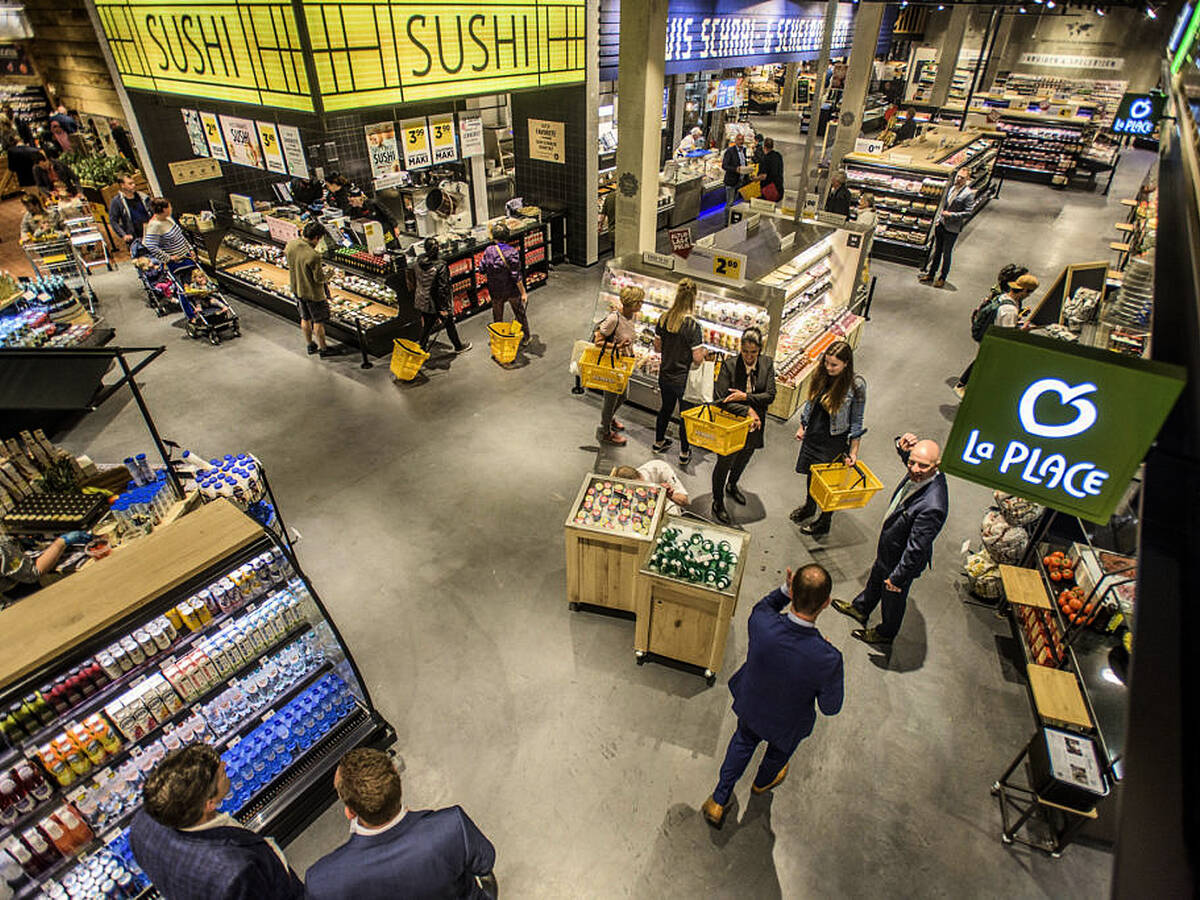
(501, 266)
(433, 297)
(615, 335)
(831, 426)
(678, 338)
(745, 388)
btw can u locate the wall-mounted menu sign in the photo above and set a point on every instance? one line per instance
(268, 137)
(470, 133)
(241, 140)
(293, 150)
(237, 51)
(415, 135)
(383, 153)
(212, 133)
(441, 138)
(547, 141)
(195, 132)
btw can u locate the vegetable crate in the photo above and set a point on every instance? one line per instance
(838, 486)
(505, 338)
(714, 429)
(605, 371)
(407, 359)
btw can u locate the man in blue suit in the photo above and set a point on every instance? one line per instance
(917, 513)
(394, 852)
(788, 667)
(192, 852)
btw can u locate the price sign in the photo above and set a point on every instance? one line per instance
(445, 148)
(415, 133)
(662, 260)
(728, 265)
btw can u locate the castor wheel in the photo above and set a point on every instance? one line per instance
(710, 677)
(640, 655)
(1006, 839)
(1056, 854)
(995, 789)
(573, 606)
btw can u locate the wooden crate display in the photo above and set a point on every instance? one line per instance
(688, 622)
(602, 564)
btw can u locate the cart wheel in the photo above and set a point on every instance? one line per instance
(710, 677)
(1006, 839)
(1056, 854)
(640, 657)
(214, 339)
(995, 789)
(573, 606)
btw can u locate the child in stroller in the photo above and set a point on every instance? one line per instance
(207, 312)
(160, 293)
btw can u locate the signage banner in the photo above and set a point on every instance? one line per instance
(238, 52)
(1138, 114)
(441, 134)
(470, 134)
(681, 240)
(195, 131)
(383, 152)
(282, 230)
(212, 131)
(241, 139)
(868, 145)
(1065, 61)
(1059, 424)
(417, 154)
(547, 141)
(268, 136)
(724, 264)
(293, 151)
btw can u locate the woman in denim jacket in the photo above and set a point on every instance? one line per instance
(831, 424)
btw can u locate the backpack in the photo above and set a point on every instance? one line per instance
(984, 315)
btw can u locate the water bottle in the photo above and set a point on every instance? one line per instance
(134, 472)
(144, 469)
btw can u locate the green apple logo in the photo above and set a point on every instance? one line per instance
(1069, 396)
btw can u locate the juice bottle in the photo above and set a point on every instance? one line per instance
(55, 765)
(19, 851)
(103, 732)
(88, 743)
(71, 820)
(42, 851)
(73, 755)
(32, 780)
(9, 792)
(52, 829)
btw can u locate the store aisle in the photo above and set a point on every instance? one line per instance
(432, 515)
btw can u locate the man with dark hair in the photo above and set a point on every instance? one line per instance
(501, 266)
(310, 285)
(394, 851)
(789, 665)
(189, 850)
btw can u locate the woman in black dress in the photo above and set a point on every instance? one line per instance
(745, 387)
(831, 424)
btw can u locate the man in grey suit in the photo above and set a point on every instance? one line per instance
(957, 209)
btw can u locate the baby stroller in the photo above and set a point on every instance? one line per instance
(208, 313)
(156, 282)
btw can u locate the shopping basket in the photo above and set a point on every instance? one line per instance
(839, 486)
(714, 429)
(603, 370)
(505, 338)
(407, 359)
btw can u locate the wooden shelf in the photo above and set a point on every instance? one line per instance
(47, 624)
(1057, 696)
(1024, 587)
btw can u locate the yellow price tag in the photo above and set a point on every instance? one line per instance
(728, 266)
(416, 136)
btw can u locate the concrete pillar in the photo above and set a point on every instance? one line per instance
(791, 73)
(858, 80)
(592, 138)
(1000, 41)
(831, 10)
(952, 39)
(678, 83)
(639, 98)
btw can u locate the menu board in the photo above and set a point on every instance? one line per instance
(268, 137)
(212, 132)
(293, 150)
(722, 94)
(241, 140)
(195, 131)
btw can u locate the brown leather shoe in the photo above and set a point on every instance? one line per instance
(925, 279)
(778, 780)
(849, 609)
(713, 812)
(941, 282)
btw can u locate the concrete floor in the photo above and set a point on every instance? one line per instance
(432, 515)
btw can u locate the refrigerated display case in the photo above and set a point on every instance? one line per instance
(1041, 146)
(206, 630)
(910, 182)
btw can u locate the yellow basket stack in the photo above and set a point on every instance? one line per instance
(602, 370)
(407, 359)
(714, 429)
(838, 486)
(505, 338)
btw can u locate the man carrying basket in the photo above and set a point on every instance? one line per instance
(746, 388)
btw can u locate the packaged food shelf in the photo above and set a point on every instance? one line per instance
(1041, 146)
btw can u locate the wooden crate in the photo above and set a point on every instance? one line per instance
(687, 622)
(602, 565)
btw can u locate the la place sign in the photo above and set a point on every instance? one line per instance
(1060, 424)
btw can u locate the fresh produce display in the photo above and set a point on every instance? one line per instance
(696, 556)
(619, 506)
(1076, 608)
(1059, 568)
(97, 171)
(1042, 635)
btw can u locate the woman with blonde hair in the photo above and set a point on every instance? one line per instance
(678, 338)
(618, 331)
(831, 425)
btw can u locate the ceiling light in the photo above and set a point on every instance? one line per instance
(1099, 10)
(1021, 10)
(1050, 4)
(1151, 12)
(941, 6)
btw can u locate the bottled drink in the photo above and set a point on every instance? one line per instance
(9, 813)
(33, 781)
(73, 823)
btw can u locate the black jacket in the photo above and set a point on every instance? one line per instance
(42, 180)
(21, 161)
(733, 377)
(432, 292)
(772, 167)
(730, 163)
(906, 539)
(122, 219)
(838, 201)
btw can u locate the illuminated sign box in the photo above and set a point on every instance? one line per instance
(363, 54)
(1062, 425)
(1138, 114)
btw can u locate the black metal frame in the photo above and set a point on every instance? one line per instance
(1025, 802)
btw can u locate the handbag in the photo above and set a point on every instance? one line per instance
(700, 383)
(770, 192)
(576, 354)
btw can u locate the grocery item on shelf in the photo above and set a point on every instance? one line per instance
(618, 506)
(1042, 634)
(694, 555)
(1006, 543)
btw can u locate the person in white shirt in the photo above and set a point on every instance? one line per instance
(691, 141)
(655, 471)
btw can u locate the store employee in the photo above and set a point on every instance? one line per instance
(16, 568)
(364, 207)
(693, 140)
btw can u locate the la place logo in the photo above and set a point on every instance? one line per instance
(1040, 465)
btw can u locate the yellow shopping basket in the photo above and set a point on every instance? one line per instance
(714, 429)
(838, 486)
(604, 370)
(505, 338)
(407, 359)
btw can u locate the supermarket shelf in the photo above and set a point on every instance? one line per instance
(232, 738)
(901, 243)
(861, 186)
(788, 316)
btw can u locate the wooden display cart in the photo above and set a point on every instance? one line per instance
(683, 621)
(602, 564)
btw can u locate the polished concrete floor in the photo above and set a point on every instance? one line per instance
(432, 514)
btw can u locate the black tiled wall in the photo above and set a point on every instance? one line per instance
(563, 186)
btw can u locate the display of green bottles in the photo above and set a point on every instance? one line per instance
(692, 556)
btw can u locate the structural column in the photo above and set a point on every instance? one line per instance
(948, 54)
(639, 124)
(858, 80)
(818, 97)
(791, 74)
(1000, 41)
(592, 186)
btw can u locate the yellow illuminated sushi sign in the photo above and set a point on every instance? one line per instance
(362, 54)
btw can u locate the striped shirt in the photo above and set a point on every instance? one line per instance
(165, 239)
